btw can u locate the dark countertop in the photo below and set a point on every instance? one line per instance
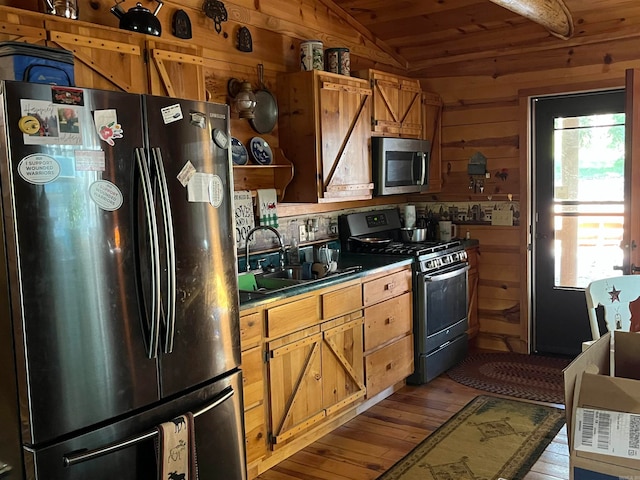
(371, 264)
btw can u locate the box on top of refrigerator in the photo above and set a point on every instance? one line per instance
(37, 64)
(602, 400)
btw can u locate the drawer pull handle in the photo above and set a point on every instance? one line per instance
(390, 286)
(389, 320)
(389, 366)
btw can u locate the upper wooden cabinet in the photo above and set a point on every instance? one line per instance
(105, 58)
(325, 131)
(176, 69)
(431, 130)
(396, 110)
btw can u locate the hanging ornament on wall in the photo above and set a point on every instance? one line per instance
(245, 43)
(181, 25)
(215, 10)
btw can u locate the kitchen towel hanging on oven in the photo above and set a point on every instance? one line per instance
(267, 200)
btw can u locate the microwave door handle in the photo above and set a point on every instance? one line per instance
(423, 173)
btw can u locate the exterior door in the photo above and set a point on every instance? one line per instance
(631, 261)
(579, 208)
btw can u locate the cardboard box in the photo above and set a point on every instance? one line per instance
(603, 411)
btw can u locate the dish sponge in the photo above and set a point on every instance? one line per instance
(247, 281)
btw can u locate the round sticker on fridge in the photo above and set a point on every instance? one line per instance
(216, 191)
(106, 195)
(39, 169)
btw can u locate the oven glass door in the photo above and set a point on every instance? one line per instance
(441, 301)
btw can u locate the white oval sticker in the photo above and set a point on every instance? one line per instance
(106, 195)
(216, 191)
(39, 169)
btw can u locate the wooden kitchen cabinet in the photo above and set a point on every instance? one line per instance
(396, 108)
(316, 370)
(104, 57)
(176, 69)
(324, 127)
(388, 334)
(431, 130)
(253, 385)
(472, 289)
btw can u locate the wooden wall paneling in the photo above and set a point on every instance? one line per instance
(175, 70)
(19, 26)
(105, 58)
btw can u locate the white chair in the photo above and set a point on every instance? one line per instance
(614, 294)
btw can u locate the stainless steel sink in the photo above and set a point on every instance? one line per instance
(269, 283)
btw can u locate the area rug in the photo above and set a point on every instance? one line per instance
(533, 377)
(489, 438)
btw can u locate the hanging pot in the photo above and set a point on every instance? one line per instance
(139, 18)
(266, 111)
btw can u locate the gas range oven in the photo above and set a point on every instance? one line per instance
(439, 287)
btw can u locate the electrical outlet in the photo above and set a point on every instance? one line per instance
(303, 233)
(333, 229)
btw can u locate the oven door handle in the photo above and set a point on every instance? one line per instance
(443, 276)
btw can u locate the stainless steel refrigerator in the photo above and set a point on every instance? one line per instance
(118, 300)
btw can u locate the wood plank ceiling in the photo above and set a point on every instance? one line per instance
(447, 37)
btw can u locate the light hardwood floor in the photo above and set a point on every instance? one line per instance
(365, 447)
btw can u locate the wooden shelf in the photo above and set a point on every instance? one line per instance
(254, 177)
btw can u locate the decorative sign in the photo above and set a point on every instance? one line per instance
(243, 206)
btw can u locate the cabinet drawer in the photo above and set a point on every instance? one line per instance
(389, 365)
(292, 316)
(386, 321)
(250, 330)
(255, 428)
(341, 302)
(387, 287)
(252, 377)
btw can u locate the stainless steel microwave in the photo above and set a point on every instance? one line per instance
(400, 165)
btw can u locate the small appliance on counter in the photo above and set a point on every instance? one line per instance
(439, 287)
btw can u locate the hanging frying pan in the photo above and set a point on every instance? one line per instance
(266, 112)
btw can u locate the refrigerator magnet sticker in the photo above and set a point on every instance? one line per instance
(56, 124)
(89, 160)
(186, 173)
(206, 187)
(38, 169)
(171, 114)
(106, 195)
(216, 191)
(107, 126)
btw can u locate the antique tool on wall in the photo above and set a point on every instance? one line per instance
(215, 10)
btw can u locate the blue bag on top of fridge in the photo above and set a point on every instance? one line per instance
(37, 64)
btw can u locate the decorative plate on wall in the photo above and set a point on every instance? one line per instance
(239, 154)
(261, 151)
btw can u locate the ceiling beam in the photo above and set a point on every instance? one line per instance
(551, 14)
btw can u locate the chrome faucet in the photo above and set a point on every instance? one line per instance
(263, 227)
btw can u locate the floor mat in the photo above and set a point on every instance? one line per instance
(533, 377)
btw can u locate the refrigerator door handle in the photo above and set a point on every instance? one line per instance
(83, 456)
(152, 226)
(170, 311)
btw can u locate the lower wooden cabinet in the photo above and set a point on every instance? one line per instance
(310, 361)
(388, 330)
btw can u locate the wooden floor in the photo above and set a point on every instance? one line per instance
(365, 447)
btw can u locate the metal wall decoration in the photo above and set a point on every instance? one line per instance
(245, 43)
(181, 25)
(215, 10)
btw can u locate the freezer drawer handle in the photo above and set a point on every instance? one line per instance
(83, 456)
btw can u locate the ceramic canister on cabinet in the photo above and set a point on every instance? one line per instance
(311, 55)
(338, 61)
